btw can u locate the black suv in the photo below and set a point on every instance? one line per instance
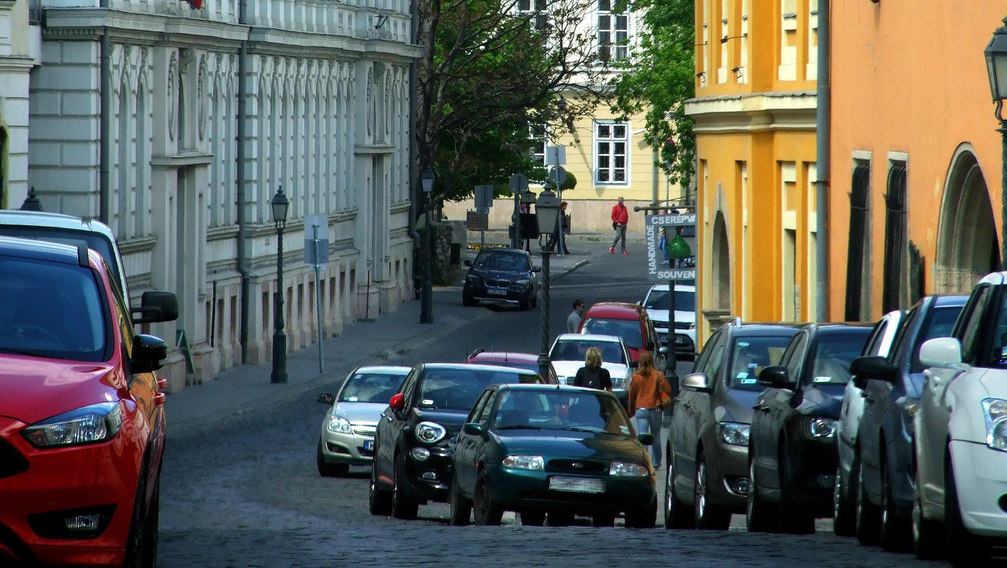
(501, 275)
(707, 450)
(415, 436)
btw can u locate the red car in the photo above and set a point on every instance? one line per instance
(526, 361)
(628, 321)
(82, 423)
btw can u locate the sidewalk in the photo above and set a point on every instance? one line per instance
(386, 340)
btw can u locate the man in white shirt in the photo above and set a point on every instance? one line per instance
(573, 320)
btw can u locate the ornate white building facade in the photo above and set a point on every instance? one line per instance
(176, 126)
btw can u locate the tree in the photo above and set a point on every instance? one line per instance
(658, 78)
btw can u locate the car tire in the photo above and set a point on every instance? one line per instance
(486, 511)
(965, 550)
(795, 518)
(525, 303)
(895, 530)
(467, 299)
(532, 517)
(928, 535)
(642, 518)
(461, 508)
(676, 513)
(136, 538)
(379, 500)
(403, 506)
(760, 515)
(867, 514)
(707, 515)
(842, 507)
(329, 469)
(152, 527)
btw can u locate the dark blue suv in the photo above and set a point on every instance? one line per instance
(501, 275)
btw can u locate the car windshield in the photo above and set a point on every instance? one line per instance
(533, 367)
(500, 260)
(834, 354)
(685, 301)
(576, 350)
(627, 329)
(458, 389)
(50, 310)
(371, 387)
(748, 357)
(561, 410)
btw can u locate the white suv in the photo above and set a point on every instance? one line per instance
(657, 303)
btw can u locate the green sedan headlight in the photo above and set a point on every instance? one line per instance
(624, 469)
(995, 413)
(87, 425)
(733, 433)
(338, 425)
(535, 463)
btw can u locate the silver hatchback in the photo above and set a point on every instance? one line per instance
(347, 436)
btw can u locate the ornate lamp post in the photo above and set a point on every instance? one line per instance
(996, 66)
(279, 374)
(546, 211)
(427, 292)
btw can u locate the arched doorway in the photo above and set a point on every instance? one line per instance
(721, 265)
(967, 243)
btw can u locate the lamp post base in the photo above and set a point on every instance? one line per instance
(279, 374)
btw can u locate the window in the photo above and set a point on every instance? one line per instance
(540, 135)
(857, 247)
(538, 9)
(613, 32)
(611, 145)
(896, 251)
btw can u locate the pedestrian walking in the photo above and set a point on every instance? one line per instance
(592, 375)
(645, 390)
(620, 218)
(573, 320)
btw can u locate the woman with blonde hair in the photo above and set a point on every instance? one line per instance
(645, 402)
(592, 374)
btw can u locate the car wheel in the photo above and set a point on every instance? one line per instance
(379, 500)
(467, 299)
(329, 469)
(964, 549)
(895, 532)
(525, 303)
(795, 518)
(152, 528)
(707, 515)
(461, 508)
(403, 506)
(928, 535)
(532, 517)
(487, 512)
(760, 515)
(642, 518)
(842, 507)
(137, 529)
(867, 515)
(676, 513)
(603, 520)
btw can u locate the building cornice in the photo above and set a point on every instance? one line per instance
(778, 110)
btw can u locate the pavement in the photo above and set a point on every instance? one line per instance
(384, 340)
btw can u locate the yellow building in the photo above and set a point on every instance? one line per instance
(755, 105)
(916, 158)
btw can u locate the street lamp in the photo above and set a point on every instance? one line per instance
(546, 211)
(996, 66)
(279, 374)
(427, 293)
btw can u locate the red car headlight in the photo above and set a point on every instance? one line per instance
(86, 425)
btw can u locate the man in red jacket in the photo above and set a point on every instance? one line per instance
(620, 217)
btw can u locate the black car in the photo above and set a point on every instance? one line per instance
(792, 452)
(412, 444)
(892, 387)
(707, 450)
(501, 275)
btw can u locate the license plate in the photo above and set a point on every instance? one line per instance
(369, 445)
(494, 292)
(577, 484)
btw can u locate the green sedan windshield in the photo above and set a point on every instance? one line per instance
(561, 410)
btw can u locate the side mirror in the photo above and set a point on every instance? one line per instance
(941, 352)
(326, 398)
(467, 262)
(473, 429)
(776, 377)
(696, 382)
(536, 269)
(397, 402)
(646, 439)
(149, 353)
(871, 367)
(156, 307)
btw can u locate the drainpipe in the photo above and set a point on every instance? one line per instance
(105, 122)
(413, 233)
(239, 189)
(822, 126)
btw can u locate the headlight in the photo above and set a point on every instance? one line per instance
(87, 425)
(627, 469)
(522, 282)
(821, 427)
(995, 411)
(535, 463)
(430, 432)
(733, 433)
(473, 279)
(339, 425)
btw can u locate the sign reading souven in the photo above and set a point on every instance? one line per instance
(671, 242)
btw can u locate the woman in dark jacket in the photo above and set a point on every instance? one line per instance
(592, 374)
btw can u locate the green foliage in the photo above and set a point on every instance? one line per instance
(657, 80)
(569, 183)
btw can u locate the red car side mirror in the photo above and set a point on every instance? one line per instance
(398, 401)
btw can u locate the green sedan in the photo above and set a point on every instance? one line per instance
(556, 450)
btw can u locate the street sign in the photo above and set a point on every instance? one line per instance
(677, 259)
(484, 197)
(557, 174)
(555, 155)
(518, 183)
(316, 240)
